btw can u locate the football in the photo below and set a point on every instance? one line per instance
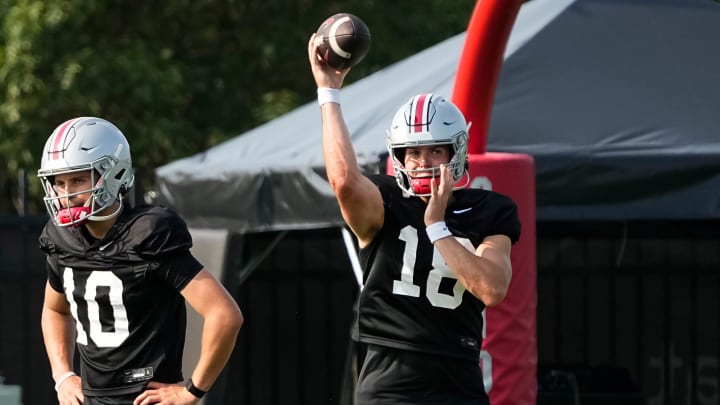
(343, 40)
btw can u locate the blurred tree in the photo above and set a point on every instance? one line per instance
(177, 77)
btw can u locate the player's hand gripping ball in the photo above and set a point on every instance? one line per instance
(342, 40)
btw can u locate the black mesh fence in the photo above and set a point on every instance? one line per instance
(627, 314)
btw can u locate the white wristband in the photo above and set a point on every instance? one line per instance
(328, 95)
(437, 231)
(62, 379)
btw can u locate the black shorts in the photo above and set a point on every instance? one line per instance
(393, 377)
(126, 399)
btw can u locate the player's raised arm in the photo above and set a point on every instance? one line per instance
(359, 199)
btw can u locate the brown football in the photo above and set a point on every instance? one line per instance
(343, 40)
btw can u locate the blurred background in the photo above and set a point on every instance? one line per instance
(177, 77)
(626, 149)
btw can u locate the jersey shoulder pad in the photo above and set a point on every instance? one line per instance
(506, 219)
(387, 185)
(496, 213)
(383, 180)
(157, 231)
(45, 239)
(54, 239)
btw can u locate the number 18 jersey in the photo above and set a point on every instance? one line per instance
(411, 300)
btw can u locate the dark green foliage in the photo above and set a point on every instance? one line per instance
(177, 77)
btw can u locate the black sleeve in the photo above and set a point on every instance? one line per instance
(178, 269)
(166, 243)
(387, 186)
(506, 221)
(163, 234)
(53, 275)
(46, 246)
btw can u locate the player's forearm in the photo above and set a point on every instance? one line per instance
(483, 277)
(58, 337)
(218, 340)
(340, 161)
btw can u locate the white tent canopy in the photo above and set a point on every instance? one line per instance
(614, 99)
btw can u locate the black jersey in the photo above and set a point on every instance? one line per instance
(123, 292)
(411, 300)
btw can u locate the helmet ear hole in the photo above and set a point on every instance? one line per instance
(96, 176)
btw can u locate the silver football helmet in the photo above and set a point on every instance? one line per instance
(86, 144)
(428, 120)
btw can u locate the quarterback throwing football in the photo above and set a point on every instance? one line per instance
(434, 255)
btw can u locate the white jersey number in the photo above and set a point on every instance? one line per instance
(440, 270)
(405, 286)
(120, 330)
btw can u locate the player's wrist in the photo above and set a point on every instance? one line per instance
(328, 95)
(64, 377)
(194, 390)
(437, 230)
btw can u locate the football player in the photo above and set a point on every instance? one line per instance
(118, 280)
(434, 254)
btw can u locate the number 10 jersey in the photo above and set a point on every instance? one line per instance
(124, 294)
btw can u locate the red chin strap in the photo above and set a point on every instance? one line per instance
(421, 185)
(76, 216)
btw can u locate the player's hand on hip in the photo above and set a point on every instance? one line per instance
(70, 392)
(325, 76)
(165, 394)
(439, 196)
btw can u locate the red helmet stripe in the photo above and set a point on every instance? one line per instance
(420, 112)
(60, 136)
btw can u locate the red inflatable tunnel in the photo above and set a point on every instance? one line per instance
(509, 356)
